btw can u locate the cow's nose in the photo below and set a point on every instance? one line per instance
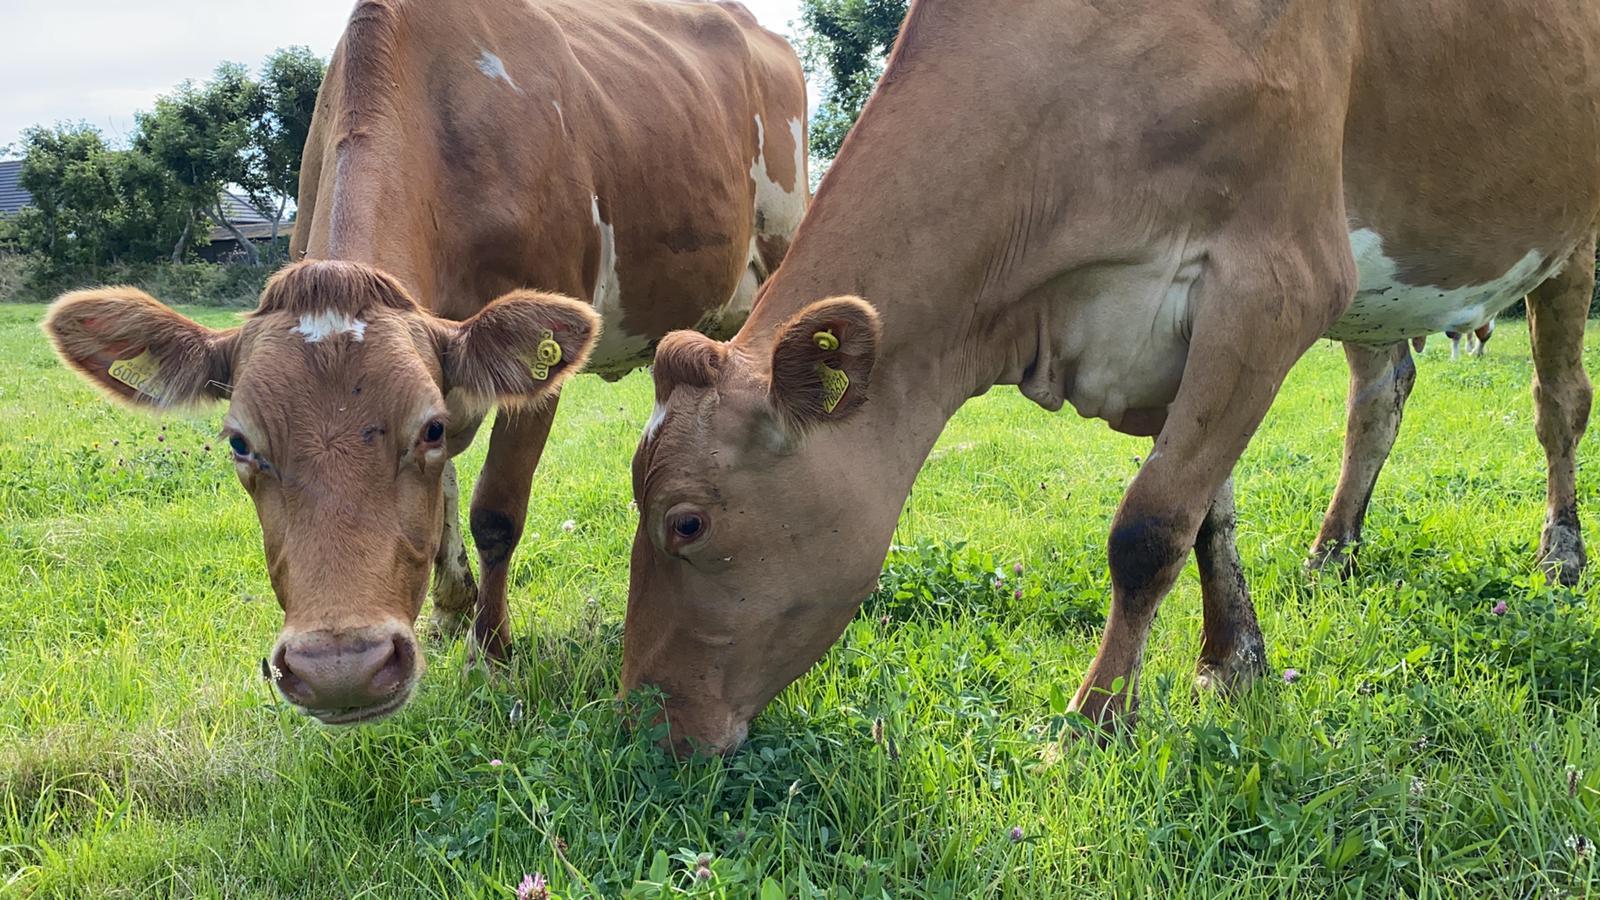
(346, 677)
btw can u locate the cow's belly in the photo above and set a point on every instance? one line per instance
(1386, 309)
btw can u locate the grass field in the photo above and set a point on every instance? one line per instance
(1428, 747)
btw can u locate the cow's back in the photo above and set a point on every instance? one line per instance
(602, 149)
(1471, 158)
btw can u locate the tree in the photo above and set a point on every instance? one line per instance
(846, 42)
(91, 205)
(207, 137)
(290, 79)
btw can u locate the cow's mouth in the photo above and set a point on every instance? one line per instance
(359, 715)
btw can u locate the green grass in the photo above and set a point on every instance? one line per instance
(1424, 750)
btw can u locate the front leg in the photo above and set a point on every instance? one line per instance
(1232, 651)
(499, 511)
(1381, 379)
(1260, 307)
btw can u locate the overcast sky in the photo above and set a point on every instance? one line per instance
(100, 61)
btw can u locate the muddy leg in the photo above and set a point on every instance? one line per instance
(1557, 310)
(1232, 652)
(1380, 381)
(499, 511)
(1253, 322)
(454, 590)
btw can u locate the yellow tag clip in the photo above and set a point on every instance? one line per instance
(825, 340)
(547, 354)
(140, 373)
(834, 384)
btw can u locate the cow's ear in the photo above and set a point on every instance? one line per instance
(139, 351)
(518, 349)
(822, 361)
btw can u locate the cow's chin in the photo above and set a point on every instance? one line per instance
(363, 715)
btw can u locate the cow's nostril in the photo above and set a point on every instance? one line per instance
(292, 685)
(396, 670)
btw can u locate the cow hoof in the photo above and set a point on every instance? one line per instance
(1232, 674)
(1112, 713)
(491, 658)
(454, 600)
(1337, 558)
(449, 624)
(1562, 555)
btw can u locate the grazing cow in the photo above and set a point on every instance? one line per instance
(1476, 339)
(646, 157)
(1147, 210)
(1480, 335)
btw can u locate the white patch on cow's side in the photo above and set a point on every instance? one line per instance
(617, 352)
(778, 210)
(657, 416)
(1387, 309)
(494, 67)
(318, 327)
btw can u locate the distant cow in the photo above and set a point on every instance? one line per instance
(1146, 210)
(1480, 334)
(1476, 339)
(646, 157)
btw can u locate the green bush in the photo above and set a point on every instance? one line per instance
(22, 280)
(16, 274)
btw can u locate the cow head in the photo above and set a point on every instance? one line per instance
(342, 397)
(762, 521)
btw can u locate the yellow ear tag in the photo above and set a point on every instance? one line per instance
(547, 354)
(826, 341)
(834, 385)
(140, 373)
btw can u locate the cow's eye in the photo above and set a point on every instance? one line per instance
(686, 524)
(239, 446)
(433, 432)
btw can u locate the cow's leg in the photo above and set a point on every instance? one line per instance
(1232, 652)
(499, 511)
(1557, 310)
(1380, 381)
(454, 591)
(1455, 345)
(1250, 326)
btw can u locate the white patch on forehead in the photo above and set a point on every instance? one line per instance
(617, 352)
(560, 116)
(778, 211)
(1387, 309)
(318, 327)
(494, 67)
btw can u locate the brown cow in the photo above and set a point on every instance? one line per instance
(1147, 210)
(645, 157)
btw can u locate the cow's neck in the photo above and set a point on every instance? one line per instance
(900, 222)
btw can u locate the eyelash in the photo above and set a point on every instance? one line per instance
(235, 441)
